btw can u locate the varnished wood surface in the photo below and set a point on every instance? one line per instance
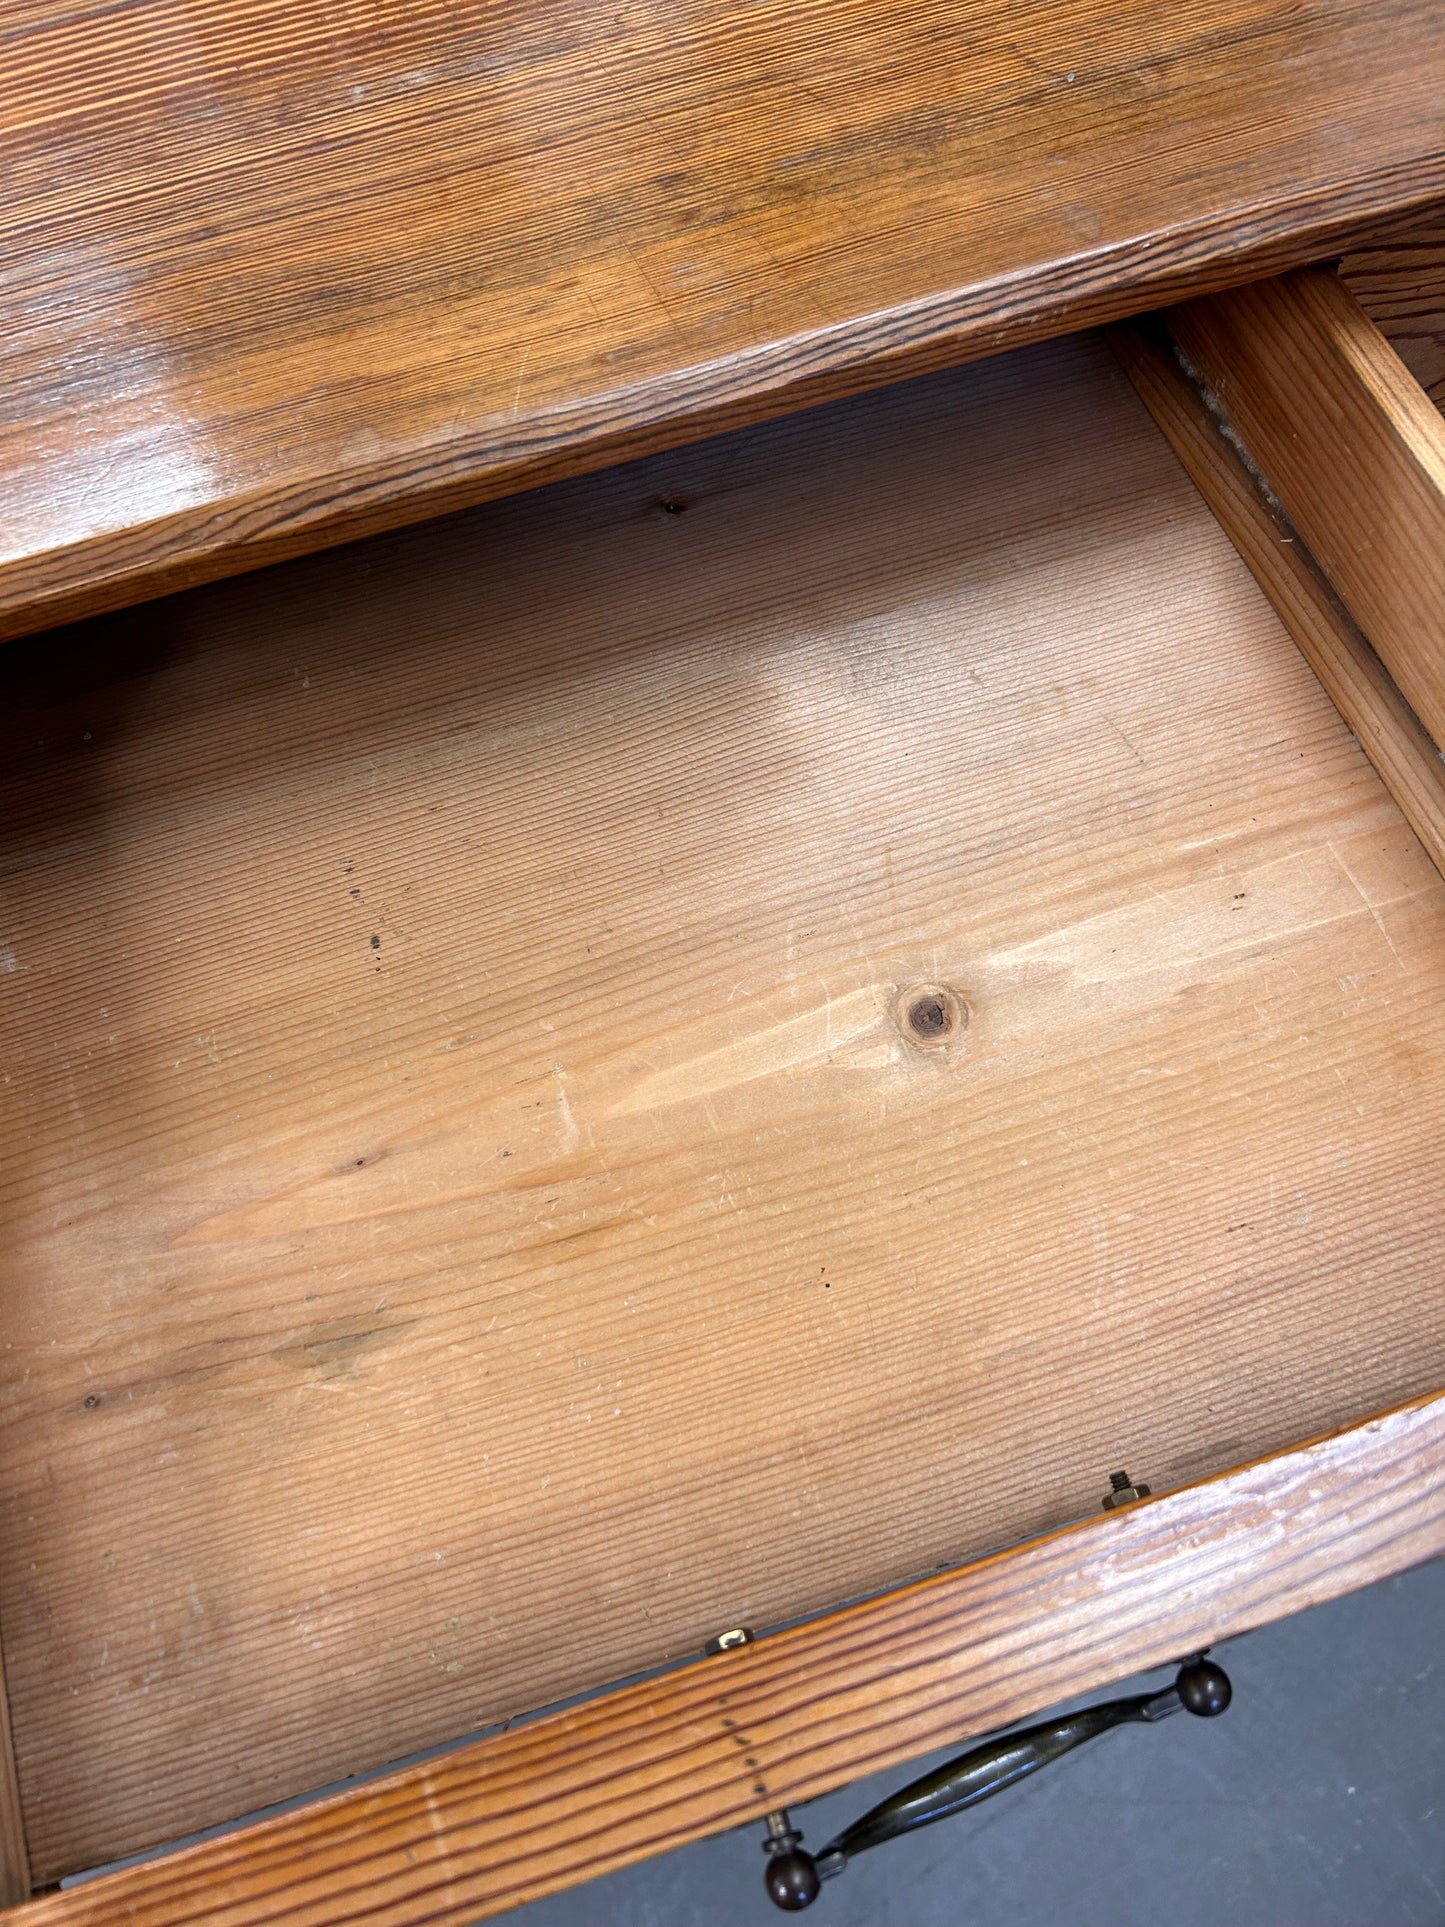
(1400, 283)
(14, 1855)
(1353, 448)
(271, 274)
(585, 1792)
(474, 1221)
(1361, 688)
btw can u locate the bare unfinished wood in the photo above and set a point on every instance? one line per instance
(1359, 685)
(585, 1792)
(278, 273)
(1399, 281)
(1352, 447)
(476, 1217)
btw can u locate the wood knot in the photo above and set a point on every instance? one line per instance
(931, 1015)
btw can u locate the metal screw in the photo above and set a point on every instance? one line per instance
(1122, 1491)
(781, 1832)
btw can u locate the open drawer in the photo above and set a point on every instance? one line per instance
(673, 1052)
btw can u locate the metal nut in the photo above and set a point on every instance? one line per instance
(1122, 1492)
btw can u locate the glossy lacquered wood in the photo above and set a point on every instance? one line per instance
(273, 274)
(507, 1820)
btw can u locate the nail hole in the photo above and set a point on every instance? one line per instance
(92, 1399)
(931, 1014)
(670, 505)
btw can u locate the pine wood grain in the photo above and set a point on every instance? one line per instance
(1352, 447)
(1399, 281)
(585, 1792)
(271, 275)
(474, 1222)
(1358, 683)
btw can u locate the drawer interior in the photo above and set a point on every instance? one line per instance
(666, 1053)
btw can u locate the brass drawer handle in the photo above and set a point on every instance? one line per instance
(794, 1875)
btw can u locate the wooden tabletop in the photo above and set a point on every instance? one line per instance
(275, 274)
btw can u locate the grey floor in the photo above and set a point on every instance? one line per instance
(1318, 1800)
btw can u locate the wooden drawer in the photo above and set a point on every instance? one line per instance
(696, 1045)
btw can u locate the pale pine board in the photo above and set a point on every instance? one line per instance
(1331, 642)
(475, 1318)
(1353, 448)
(1399, 280)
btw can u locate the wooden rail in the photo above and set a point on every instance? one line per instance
(14, 1855)
(1352, 446)
(1358, 683)
(651, 1767)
